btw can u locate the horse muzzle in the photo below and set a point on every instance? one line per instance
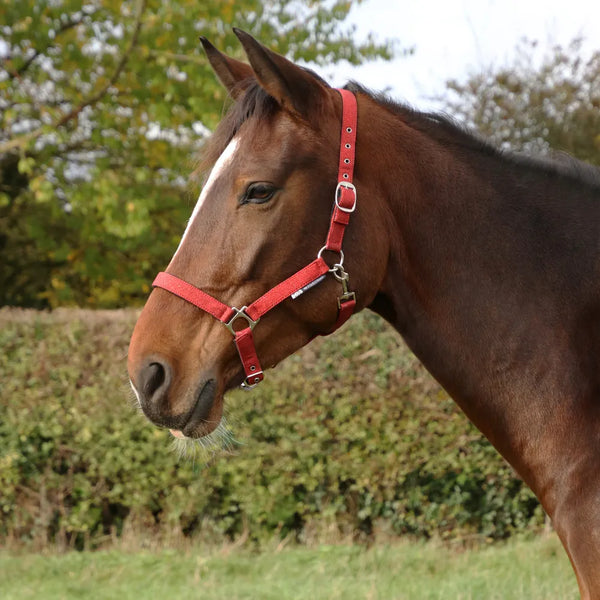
(187, 414)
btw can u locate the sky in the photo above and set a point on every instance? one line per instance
(453, 38)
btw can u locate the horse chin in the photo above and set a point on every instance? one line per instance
(206, 413)
(196, 430)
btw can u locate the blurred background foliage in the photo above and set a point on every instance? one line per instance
(105, 104)
(536, 105)
(349, 439)
(103, 107)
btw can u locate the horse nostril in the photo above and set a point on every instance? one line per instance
(154, 379)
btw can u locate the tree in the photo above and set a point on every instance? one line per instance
(536, 108)
(103, 106)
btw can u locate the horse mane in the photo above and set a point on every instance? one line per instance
(257, 103)
(450, 133)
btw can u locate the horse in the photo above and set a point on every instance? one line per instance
(321, 202)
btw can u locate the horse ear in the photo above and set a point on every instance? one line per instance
(233, 74)
(294, 88)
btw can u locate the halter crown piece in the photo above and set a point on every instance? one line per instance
(301, 281)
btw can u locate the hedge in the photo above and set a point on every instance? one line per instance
(350, 436)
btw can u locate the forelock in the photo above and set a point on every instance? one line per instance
(255, 103)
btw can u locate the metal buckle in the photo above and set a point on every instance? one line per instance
(240, 313)
(247, 385)
(347, 296)
(348, 186)
(342, 276)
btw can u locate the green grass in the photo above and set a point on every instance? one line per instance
(536, 570)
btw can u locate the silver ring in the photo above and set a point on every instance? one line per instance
(338, 264)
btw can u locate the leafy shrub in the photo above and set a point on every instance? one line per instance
(350, 435)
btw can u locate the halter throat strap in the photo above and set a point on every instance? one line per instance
(300, 282)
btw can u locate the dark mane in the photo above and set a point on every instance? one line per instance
(448, 132)
(256, 103)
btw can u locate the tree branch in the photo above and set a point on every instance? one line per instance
(20, 142)
(120, 66)
(17, 73)
(24, 66)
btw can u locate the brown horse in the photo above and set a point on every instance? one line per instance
(487, 263)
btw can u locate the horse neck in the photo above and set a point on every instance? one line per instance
(483, 272)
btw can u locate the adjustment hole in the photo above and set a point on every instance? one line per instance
(349, 129)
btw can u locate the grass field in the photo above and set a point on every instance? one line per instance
(536, 569)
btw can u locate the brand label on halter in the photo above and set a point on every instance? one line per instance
(307, 287)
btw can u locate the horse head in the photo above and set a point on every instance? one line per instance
(263, 214)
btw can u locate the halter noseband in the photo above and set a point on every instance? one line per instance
(302, 280)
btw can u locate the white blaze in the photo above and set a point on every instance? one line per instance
(220, 166)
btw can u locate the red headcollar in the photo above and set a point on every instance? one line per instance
(301, 281)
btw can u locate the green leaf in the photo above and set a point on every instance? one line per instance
(90, 176)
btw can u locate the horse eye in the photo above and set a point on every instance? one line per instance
(258, 193)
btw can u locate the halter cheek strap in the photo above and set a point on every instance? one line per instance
(301, 281)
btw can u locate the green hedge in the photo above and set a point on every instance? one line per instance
(349, 436)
